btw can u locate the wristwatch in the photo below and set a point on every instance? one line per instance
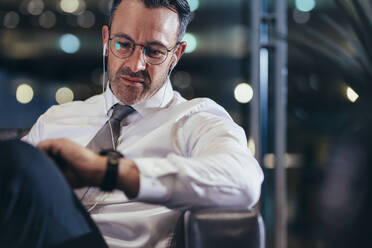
(109, 181)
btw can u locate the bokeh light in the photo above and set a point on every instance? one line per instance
(47, 19)
(69, 6)
(24, 93)
(191, 42)
(11, 19)
(194, 4)
(351, 95)
(243, 93)
(69, 43)
(305, 5)
(86, 19)
(35, 7)
(64, 95)
(182, 79)
(252, 146)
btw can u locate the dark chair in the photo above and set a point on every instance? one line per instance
(224, 227)
(204, 228)
(12, 133)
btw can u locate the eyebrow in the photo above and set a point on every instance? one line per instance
(155, 42)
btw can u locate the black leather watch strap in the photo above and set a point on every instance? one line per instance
(109, 181)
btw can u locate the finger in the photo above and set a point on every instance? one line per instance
(54, 146)
(47, 146)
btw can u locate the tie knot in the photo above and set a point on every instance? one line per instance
(121, 111)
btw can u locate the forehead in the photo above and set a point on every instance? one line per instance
(144, 24)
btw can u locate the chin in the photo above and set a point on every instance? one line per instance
(127, 95)
(130, 99)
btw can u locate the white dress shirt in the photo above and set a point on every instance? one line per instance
(189, 153)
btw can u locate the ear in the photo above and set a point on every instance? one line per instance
(180, 51)
(177, 55)
(105, 38)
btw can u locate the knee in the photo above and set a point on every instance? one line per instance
(18, 157)
(26, 171)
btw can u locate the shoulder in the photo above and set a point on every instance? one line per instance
(202, 114)
(58, 117)
(203, 108)
(205, 122)
(87, 107)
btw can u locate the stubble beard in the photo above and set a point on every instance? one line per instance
(130, 95)
(125, 93)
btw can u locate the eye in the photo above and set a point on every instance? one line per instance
(124, 45)
(154, 51)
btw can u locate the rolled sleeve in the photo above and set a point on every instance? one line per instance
(215, 168)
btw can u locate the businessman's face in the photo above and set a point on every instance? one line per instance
(135, 77)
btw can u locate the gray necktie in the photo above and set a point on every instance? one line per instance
(103, 139)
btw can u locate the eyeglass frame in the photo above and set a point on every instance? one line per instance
(142, 50)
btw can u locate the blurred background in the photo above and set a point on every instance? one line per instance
(50, 53)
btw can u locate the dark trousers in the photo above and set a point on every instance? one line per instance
(37, 206)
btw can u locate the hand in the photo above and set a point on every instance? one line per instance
(81, 166)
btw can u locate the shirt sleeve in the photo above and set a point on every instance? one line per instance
(213, 167)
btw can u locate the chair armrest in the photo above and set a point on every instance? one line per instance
(224, 227)
(13, 133)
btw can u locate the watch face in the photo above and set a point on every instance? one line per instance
(111, 153)
(112, 160)
(114, 157)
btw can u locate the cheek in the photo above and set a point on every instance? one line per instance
(113, 65)
(157, 73)
(152, 73)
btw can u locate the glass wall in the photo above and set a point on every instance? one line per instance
(328, 71)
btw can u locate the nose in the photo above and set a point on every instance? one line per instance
(136, 62)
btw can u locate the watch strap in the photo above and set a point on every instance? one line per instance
(109, 181)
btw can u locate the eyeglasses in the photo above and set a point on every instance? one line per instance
(154, 54)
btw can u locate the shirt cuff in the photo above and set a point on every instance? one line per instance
(154, 185)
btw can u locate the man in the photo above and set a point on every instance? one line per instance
(177, 153)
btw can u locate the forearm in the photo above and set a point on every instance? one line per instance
(218, 180)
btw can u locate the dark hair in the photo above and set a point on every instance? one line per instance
(180, 6)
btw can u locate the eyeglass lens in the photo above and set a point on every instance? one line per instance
(124, 48)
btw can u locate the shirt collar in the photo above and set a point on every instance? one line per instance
(158, 101)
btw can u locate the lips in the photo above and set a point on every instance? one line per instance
(132, 81)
